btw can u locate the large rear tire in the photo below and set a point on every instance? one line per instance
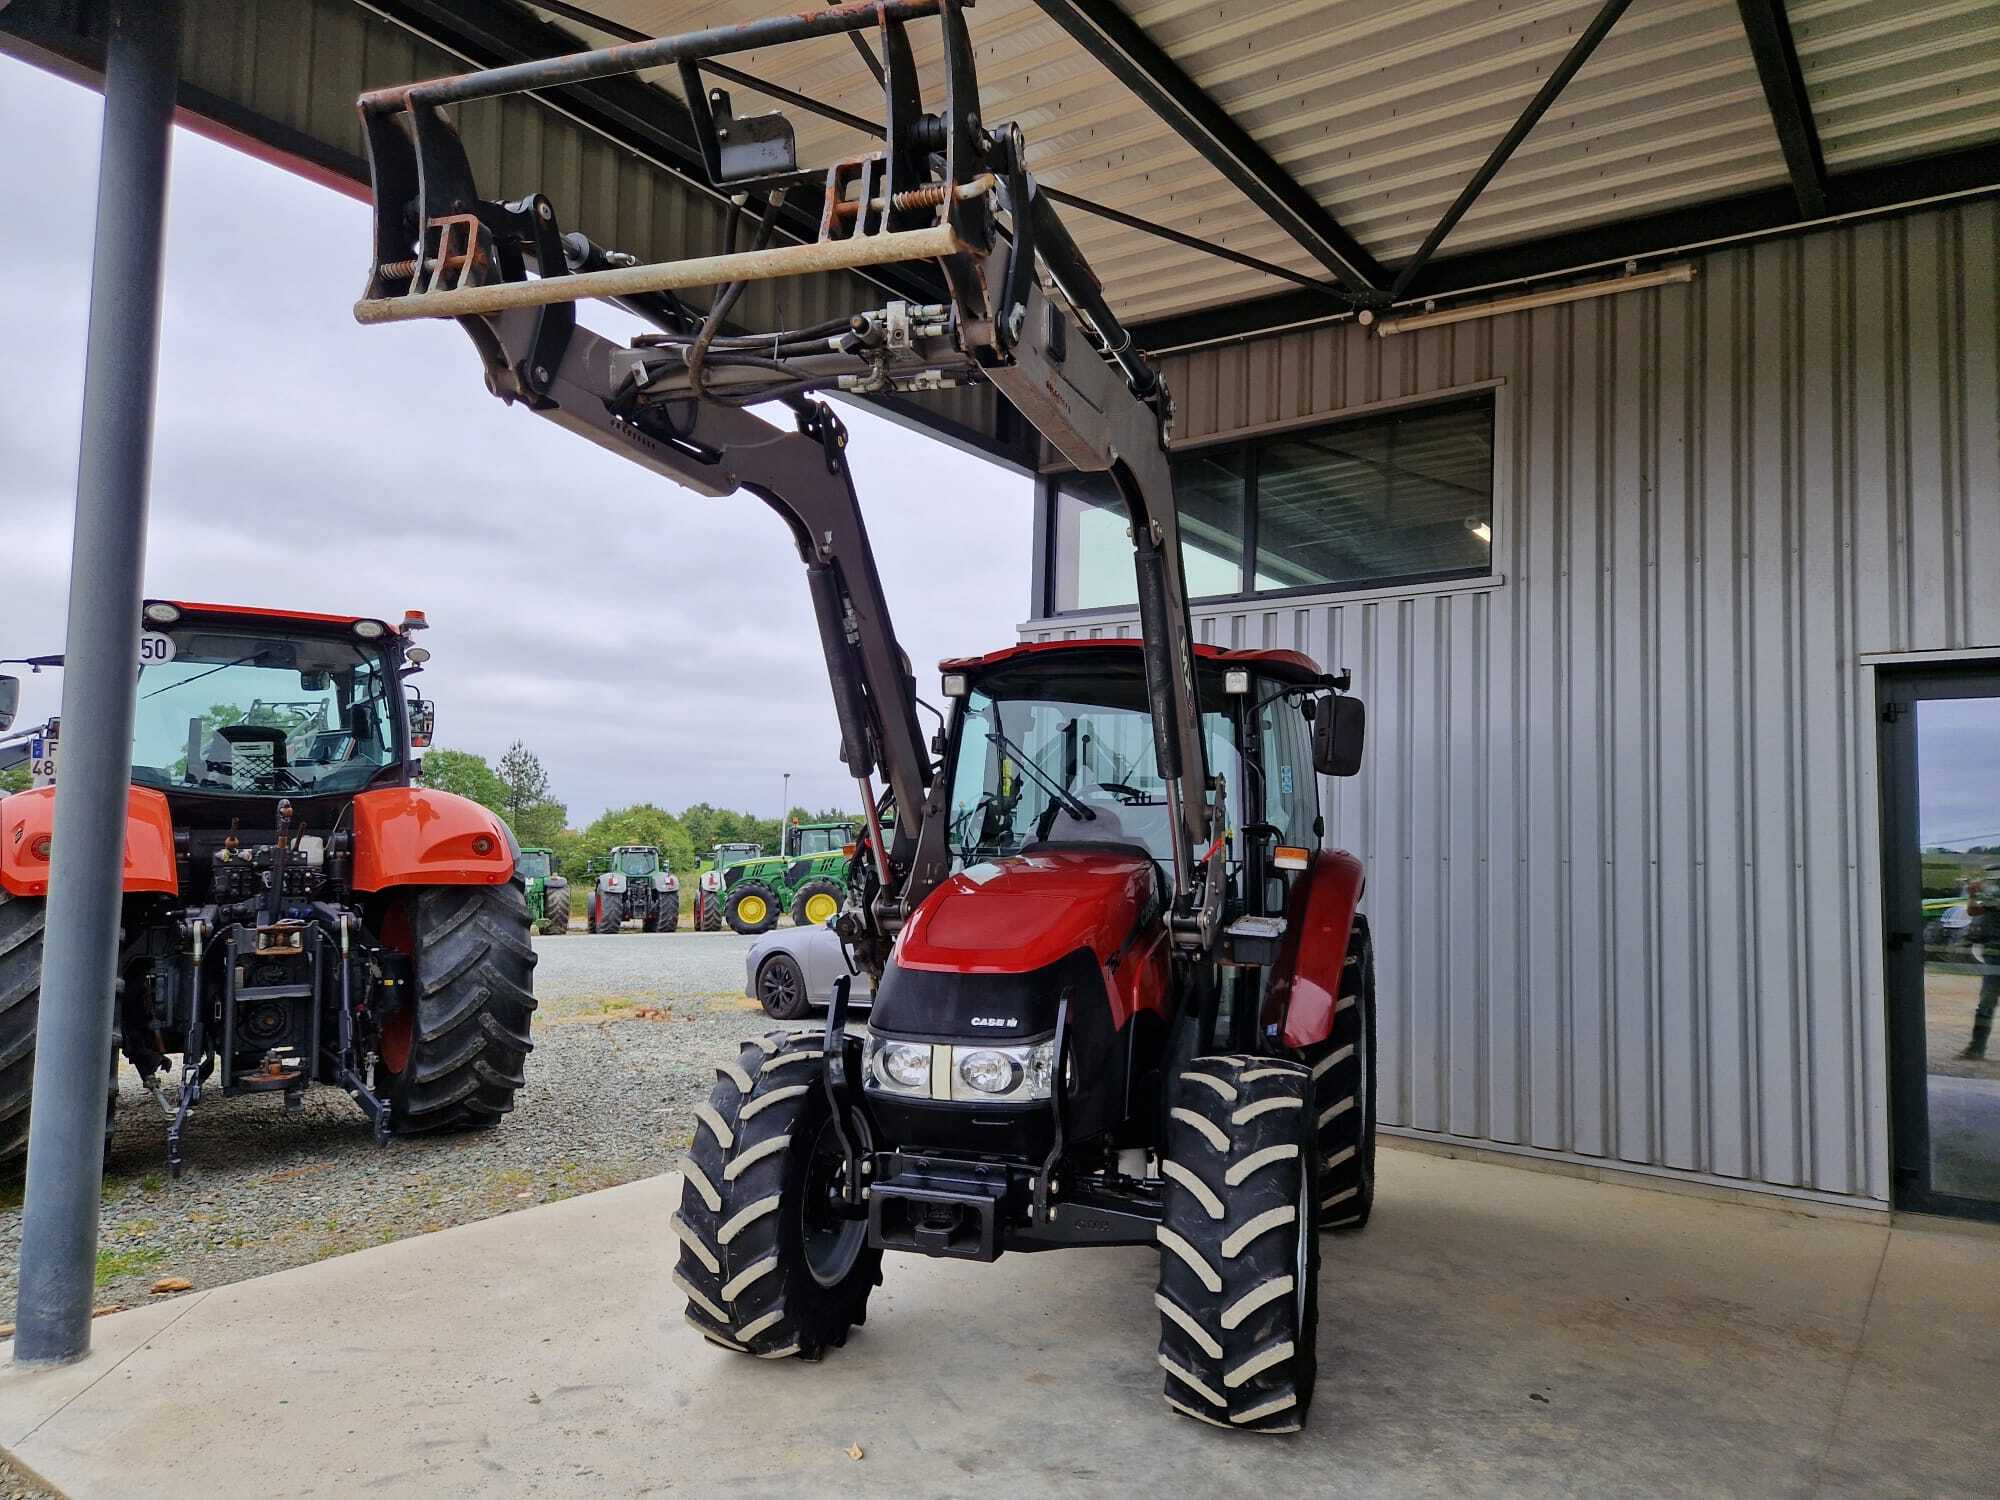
(768, 1266)
(21, 924)
(707, 912)
(1239, 1255)
(817, 902)
(607, 911)
(1344, 1093)
(752, 907)
(453, 1059)
(669, 912)
(555, 908)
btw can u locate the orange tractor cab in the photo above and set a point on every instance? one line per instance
(297, 911)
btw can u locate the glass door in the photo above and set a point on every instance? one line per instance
(1941, 824)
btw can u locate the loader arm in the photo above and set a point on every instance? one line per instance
(1018, 309)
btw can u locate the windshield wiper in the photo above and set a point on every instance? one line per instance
(224, 667)
(1042, 779)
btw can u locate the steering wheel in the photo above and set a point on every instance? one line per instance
(1131, 796)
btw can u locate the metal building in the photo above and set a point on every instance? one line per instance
(1621, 805)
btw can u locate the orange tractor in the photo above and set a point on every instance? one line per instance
(297, 911)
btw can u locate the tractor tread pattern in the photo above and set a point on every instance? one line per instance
(1344, 1093)
(1231, 1341)
(555, 909)
(745, 1278)
(475, 1001)
(22, 920)
(608, 912)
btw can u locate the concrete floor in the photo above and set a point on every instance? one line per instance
(1496, 1331)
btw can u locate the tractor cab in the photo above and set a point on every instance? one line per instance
(637, 861)
(803, 840)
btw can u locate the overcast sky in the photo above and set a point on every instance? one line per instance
(648, 643)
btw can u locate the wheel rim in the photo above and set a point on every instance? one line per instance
(820, 908)
(832, 1242)
(752, 909)
(780, 984)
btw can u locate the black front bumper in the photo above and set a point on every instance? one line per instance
(975, 1210)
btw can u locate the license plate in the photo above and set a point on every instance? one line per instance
(42, 760)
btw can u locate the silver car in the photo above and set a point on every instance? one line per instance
(790, 971)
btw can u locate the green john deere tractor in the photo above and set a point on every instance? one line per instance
(712, 873)
(548, 892)
(637, 886)
(809, 879)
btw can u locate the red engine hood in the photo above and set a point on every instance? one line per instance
(1012, 915)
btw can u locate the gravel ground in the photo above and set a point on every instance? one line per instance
(627, 1033)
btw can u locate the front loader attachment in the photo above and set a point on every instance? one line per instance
(1013, 305)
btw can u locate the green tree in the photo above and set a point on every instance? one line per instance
(14, 779)
(467, 775)
(536, 816)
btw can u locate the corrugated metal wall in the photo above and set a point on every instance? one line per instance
(1619, 811)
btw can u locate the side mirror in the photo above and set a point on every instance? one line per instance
(1338, 729)
(423, 720)
(10, 700)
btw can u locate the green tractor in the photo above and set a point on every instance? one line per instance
(548, 892)
(809, 879)
(713, 872)
(638, 885)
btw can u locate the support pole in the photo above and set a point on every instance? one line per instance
(73, 1047)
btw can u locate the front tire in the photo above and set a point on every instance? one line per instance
(768, 1266)
(453, 1058)
(1344, 1093)
(751, 908)
(607, 912)
(555, 909)
(1239, 1253)
(817, 903)
(781, 988)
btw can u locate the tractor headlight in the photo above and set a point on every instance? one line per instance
(899, 1067)
(370, 630)
(711, 881)
(966, 1075)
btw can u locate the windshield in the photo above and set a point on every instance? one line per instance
(636, 861)
(247, 712)
(817, 840)
(534, 864)
(1066, 754)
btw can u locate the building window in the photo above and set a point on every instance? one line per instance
(1403, 497)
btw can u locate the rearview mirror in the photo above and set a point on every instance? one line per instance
(1338, 730)
(423, 720)
(10, 700)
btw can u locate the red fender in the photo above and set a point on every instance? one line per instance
(1305, 982)
(28, 822)
(406, 835)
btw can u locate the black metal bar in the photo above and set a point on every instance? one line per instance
(1575, 58)
(1901, 187)
(1785, 92)
(73, 1047)
(634, 57)
(1138, 62)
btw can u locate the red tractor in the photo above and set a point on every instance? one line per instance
(297, 910)
(1123, 996)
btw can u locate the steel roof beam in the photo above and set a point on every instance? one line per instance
(1575, 58)
(1897, 187)
(1785, 92)
(1138, 62)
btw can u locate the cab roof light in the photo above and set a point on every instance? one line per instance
(159, 612)
(370, 630)
(954, 684)
(413, 619)
(1236, 681)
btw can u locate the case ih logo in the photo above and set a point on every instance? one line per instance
(1005, 1021)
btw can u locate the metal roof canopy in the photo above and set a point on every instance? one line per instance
(1228, 168)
